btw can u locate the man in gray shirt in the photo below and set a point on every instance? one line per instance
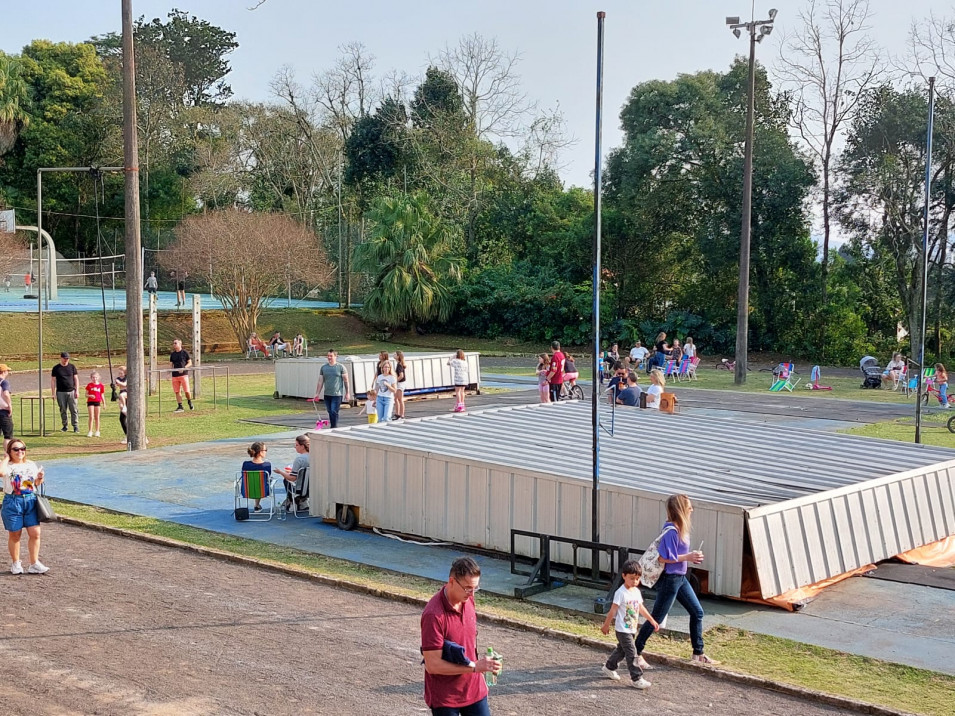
(334, 379)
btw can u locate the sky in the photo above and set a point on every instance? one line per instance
(556, 40)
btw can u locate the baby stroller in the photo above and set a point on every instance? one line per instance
(871, 372)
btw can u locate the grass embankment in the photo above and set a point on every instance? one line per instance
(934, 429)
(83, 334)
(893, 685)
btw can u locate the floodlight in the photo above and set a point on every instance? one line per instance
(759, 38)
(732, 20)
(772, 14)
(766, 29)
(737, 33)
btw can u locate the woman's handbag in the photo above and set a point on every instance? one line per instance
(650, 565)
(44, 511)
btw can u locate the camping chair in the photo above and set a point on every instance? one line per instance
(303, 351)
(783, 378)
(683, 372)
(903, 379)
(669, 368)
(299, 491)
(928, 377)
(254, 485)
(691, 368)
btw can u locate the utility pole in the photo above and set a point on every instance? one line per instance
(757, 30)
(136, 406)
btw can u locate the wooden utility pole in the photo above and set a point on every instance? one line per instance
(136, 416)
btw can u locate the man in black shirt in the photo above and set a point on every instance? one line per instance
(65, 386)
(179, 359)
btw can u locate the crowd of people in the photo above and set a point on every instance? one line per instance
(554, 370)
(276, 345)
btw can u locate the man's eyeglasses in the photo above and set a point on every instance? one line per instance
(467, 590)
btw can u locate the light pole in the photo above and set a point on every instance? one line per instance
(757, 29)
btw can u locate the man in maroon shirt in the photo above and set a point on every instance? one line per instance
(452, 689)
(556, 375)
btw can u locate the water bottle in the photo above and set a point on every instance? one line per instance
(490, 678)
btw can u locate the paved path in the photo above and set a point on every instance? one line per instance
(122, 627)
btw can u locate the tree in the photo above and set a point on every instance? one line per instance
(674, 189)
(882, 202)
(225, 249)
(375, 150)
(13, 98)
(409, 256)
(828, 65)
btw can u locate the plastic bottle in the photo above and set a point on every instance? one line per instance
(490, 678)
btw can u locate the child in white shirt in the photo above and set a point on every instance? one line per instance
(627, 606)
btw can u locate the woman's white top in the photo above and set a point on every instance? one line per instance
(689, 351)
(653, 396)
(20, 477)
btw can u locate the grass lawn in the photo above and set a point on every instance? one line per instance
(934, 429)
(871, 680)
(251, 398)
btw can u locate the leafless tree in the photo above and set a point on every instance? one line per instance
(494, 101)
(545, 138)
(932, 48)
(247, 259)
(347, 91)
(827, 65)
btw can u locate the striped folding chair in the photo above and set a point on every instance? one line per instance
(252, 485)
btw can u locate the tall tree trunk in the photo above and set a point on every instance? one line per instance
(826, 230)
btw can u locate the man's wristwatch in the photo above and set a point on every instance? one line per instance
(473, 666)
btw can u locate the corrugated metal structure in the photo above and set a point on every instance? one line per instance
(800, 505)
(297, 377)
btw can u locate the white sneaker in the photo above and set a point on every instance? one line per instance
(96, 434)
(640, 683)
(704, 659)
(642, 663)
(37, 568)
(612, 675)
(89, 434)
(16, 568)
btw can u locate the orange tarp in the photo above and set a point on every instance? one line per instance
(936, 554)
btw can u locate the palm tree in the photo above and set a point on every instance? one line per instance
(13, 94)
(411, 261)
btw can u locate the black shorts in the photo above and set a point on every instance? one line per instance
(6, 425)
(97, 403)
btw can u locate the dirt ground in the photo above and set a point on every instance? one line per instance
(122, 627)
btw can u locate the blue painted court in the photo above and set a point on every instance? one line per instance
(91, 299)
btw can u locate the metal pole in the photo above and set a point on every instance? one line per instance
(742, 301)
(595, 358)
(136, 406)
(928, 190)
(39, 301)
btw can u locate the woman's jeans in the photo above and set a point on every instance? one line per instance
(385, 405)
(943, 393)
(672, 587)
(478, 709)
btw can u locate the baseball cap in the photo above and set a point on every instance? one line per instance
(64, 354)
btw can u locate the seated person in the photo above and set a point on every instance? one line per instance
(258, 344)
(638, 355)
(293, 475)
(631, 394)
(298, 345)
(277, 343)
(618, 382)
(257, 463)
(570, 370)
(894, 369)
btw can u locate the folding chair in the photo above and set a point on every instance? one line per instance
(254, 485)
(298, 492)
(251, 351)
(669, 368)
(783, 378)
(691, 369)
(683, 372)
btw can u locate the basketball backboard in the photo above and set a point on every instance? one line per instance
(8, 224)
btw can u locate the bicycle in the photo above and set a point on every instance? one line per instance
(571, 392)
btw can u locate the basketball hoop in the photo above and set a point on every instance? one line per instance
(8, 224)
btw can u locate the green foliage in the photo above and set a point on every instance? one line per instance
(13, 99)
(437, 100)
(523, 301)
(410, 258)
(375, 151)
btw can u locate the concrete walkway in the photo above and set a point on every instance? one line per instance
(192, 485)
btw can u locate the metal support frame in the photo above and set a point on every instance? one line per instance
(541, 577)
(51, 265)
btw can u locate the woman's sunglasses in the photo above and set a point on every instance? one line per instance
(18, 449)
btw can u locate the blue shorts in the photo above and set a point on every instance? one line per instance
(19, 511)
